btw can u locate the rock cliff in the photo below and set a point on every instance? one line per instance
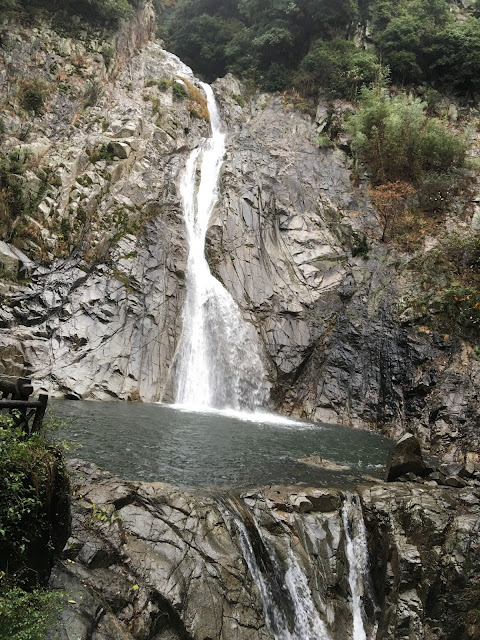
(150, 561)
(101, 234)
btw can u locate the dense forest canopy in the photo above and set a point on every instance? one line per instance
(308, 44)
(328, 46)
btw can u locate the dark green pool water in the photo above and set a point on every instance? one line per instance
(155, 442)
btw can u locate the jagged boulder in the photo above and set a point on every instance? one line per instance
(406, 458)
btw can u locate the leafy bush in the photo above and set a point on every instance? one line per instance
(397, 141)
(108, 53)
(392, 201)
(27, 616)
(454, 55)
(338, 66)
(12, 195)
(179, 91)
(403, 31)
(32, 96)
(25, 464)
(449, 278)
(93, 93)
(99, 12)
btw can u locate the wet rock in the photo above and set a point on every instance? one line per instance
(152, 561)
(317, 461)
(437, 476)
(173, 567)
(418, 558)
(455, 481)
(406, 459)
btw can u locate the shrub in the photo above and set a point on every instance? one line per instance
(392, 201)
(198, 106)
(93, 93)
(32, 96)
(108, 53)
(397, 141)
(449, 276)
(13, 199)
(27, 616)
(454, 56)
(339, 67)
(179, 91)
(29, 469)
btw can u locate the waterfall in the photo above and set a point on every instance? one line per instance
(290, 612)
(217, 364)
(356, 550)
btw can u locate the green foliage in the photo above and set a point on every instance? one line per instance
(449, 276)
(397, 140)
(105, 152)
(93, 93)
(360, 246)
(32, 96)
(105, 13)
(8, 5)
(337, 66)
(179, 91)
(108, 53)
(454, 56)
(25, 465)
(266, 43)
(12, 195)
(27, 615)
(261, 41)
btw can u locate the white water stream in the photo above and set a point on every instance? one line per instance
(357, 556)
(288, 606)
(217, 366)
(217, 363)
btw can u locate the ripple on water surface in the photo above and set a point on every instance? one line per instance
(166, 443)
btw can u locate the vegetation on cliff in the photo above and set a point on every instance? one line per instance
(306, 44)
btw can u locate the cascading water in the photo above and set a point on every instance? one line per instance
(288, 606)
(217, 364)
(357, 556)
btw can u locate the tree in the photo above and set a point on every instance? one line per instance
(337, 66)
(397, 141)
(391, 200)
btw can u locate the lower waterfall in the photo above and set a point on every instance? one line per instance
(217, 364)
(291, 611)
(287, 600)
(356, 550)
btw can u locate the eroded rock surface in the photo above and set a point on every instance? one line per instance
(283, 241)
(150, 561)
(104, 322)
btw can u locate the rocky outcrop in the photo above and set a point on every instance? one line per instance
(154, 561)
(150, 561)
(424, 564)
(292, 238)
(102, 322)
(406, 458)
(285, 241)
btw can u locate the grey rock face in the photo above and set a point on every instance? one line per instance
(159, 561)
(104, 322)
(406, 458)
(282, 241)
(423, 568)
(149, 561)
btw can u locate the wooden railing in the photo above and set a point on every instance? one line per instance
(26, 414)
